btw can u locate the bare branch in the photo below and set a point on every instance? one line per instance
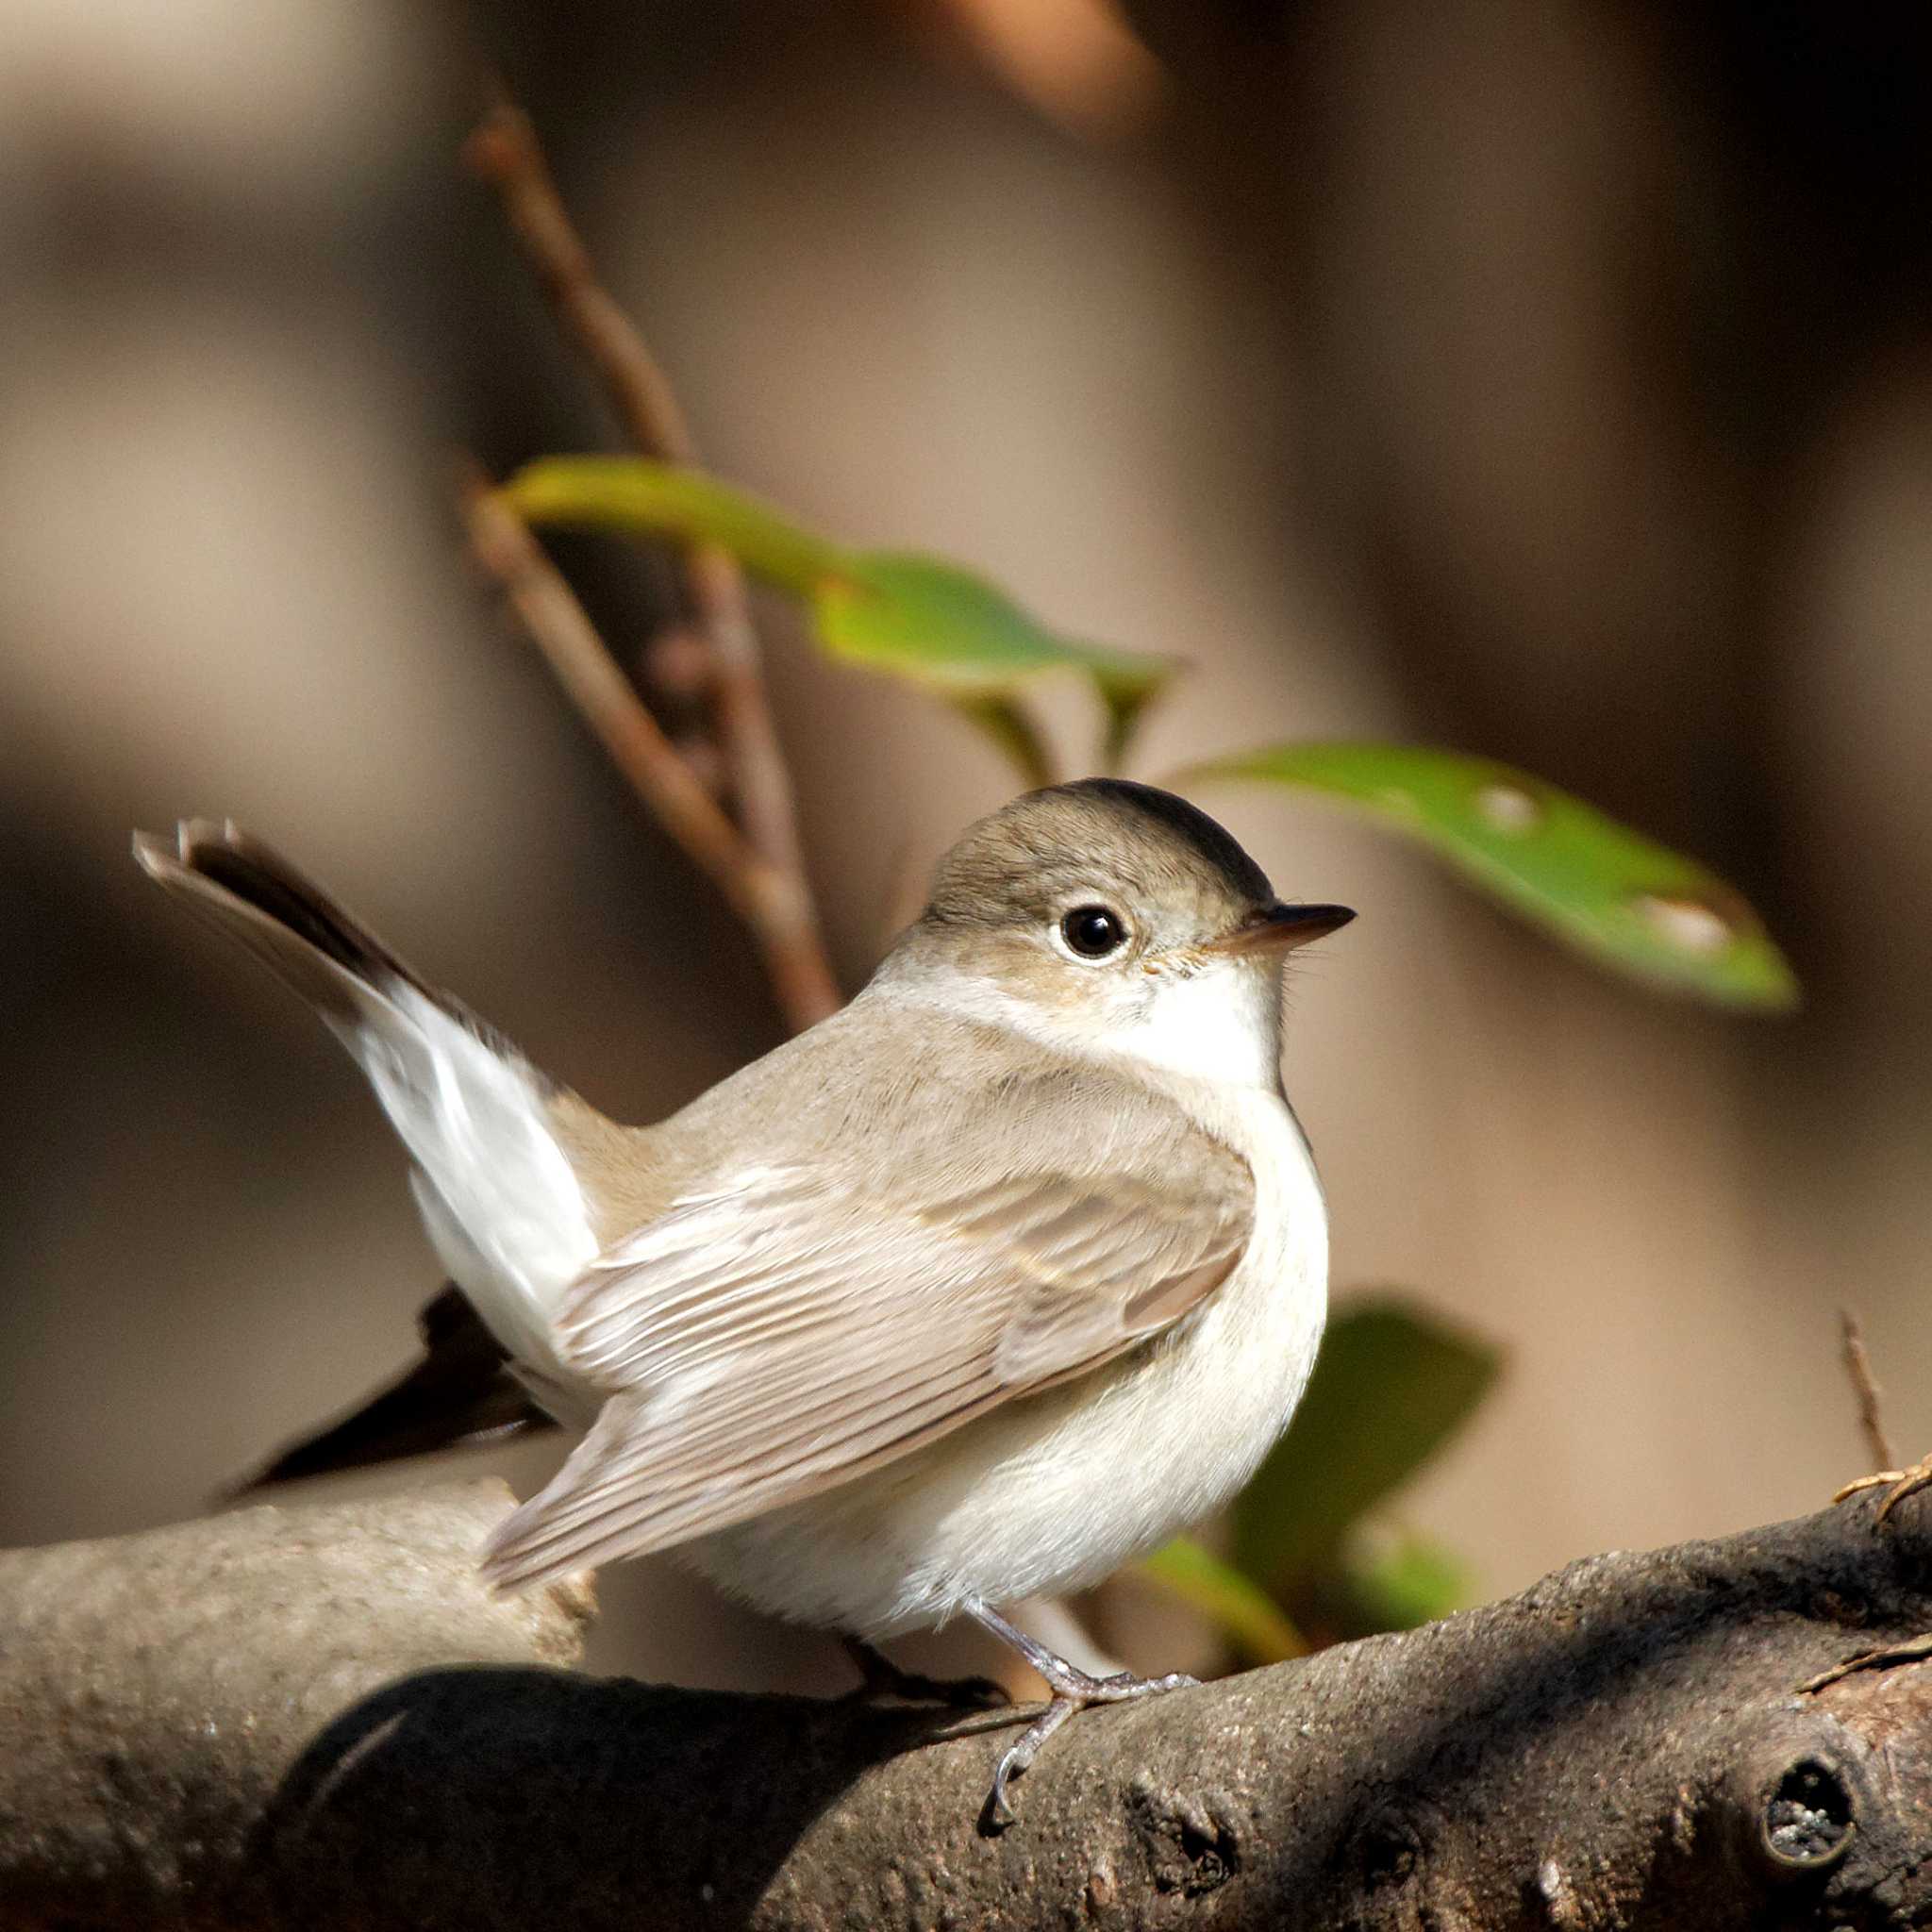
(504, 152)
(317, 1717)
(769, 900)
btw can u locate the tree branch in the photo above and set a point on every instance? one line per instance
(316, 1716)
(769, 900)
(504, 152)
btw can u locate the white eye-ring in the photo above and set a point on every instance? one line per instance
(1093, 932)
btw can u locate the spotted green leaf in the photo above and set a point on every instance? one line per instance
(1607, 890)
(1251, 1619)
(916, 618)
(1391, 1386)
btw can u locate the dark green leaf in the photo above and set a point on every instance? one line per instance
(1391, 1386)
(1606, 889)
(1252, 1622)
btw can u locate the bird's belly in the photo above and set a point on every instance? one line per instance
(1055, 1491)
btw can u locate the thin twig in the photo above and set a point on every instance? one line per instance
(1865, 1386)
(504, 150)
(767, 898)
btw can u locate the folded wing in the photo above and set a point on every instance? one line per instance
(775, 1335)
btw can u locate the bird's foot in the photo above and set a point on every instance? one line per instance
(1120, 1689)
(1073, 1689)
(879, 1676)
(1899, 1483)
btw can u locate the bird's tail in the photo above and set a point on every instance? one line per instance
(286, 921)
(496, 1188)
(461, 1390)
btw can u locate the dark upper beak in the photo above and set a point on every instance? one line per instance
(1281, 928)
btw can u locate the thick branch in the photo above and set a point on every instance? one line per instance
(293, 1717)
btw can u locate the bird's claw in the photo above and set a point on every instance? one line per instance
(998, 1812)
(1898, 1483)
(957, 1693)
(1074, 1692)
(881, 1677)
(1123, 1685)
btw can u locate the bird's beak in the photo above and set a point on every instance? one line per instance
(1282, 928)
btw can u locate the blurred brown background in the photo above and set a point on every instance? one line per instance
(1549, 379)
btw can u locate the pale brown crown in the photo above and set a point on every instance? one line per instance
(1096, 837)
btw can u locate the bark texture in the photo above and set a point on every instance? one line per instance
(294, 1717)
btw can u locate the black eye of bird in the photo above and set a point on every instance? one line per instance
(1093, 932)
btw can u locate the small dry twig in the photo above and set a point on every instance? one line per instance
(504, 150)
(1865, 1386)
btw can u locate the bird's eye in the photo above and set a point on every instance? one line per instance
(1094, 931)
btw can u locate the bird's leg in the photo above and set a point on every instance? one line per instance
(1900, 1483)
(881, 1677)
(1073, 1689)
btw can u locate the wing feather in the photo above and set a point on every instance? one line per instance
(776, 1333)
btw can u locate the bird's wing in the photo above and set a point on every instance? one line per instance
(777, 1333)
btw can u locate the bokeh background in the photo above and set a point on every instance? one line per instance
(1549, 379)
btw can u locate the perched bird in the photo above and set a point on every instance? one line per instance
(994, 1279)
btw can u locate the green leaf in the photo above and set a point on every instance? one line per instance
(1399, 1582)
(1257, 1626)
(634, 496)
(916, 618)
(930, 621)
(1607, 890)
(1391, 1386)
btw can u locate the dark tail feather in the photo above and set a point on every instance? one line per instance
(259, 877)
(460, 1391)
(287, 920)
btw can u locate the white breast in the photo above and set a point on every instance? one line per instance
(1056, 1492)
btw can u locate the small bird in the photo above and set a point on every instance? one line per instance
(998, 1277)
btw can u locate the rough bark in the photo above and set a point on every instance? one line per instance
(314, 1716)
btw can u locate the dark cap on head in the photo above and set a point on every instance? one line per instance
(1072, 839)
